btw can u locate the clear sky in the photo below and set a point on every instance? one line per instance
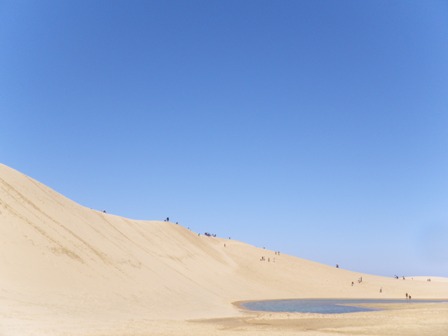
(317, 128)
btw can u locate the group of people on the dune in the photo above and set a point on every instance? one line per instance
(269, 259)
(210, 234)
(397, 277)
(359, 281)
(408, 297)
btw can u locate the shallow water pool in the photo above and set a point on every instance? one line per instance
(321, 306)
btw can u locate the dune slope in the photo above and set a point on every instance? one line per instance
(59, 258)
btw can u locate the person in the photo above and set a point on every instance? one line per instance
(381, 290)
(407, 296)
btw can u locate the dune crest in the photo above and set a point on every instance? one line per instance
(61, 259)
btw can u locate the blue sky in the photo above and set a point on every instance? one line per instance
(317, 128)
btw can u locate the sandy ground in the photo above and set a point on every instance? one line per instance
(69, 270)
(400, 320)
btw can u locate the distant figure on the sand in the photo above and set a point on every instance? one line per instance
(337, 265)
(407, 296)
(352, 283)
(381, 290)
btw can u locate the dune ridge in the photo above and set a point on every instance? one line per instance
(61, 261)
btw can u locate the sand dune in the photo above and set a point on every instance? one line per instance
(67, 269)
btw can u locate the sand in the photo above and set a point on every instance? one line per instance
(69, 270)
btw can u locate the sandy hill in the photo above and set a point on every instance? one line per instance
(64, 262)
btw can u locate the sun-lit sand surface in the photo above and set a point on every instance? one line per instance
(429, 278)
(69, 270)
